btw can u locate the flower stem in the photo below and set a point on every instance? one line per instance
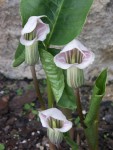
(52, 146)
(79, 108)
(68, 114)
(38, 93)
(91, 133)
(88, 130)
(50, 94)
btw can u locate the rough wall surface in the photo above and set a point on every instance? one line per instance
(97, 35)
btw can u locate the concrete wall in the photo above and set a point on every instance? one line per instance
(97, 35)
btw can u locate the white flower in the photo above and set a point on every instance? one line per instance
(74, 54)
(56, 114)
(56, 123)
(34, 30)
(74, 57)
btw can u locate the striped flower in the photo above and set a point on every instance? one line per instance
(74, 57)
(34, 30)
(56, 123)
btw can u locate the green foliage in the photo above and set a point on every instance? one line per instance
(32, 104)
(68, 99)
(27, 107)
(35, 112)
(77, 121)
(62, 16)
(112, 104)
(91, 120)
(66, 17)
(98, 93)
(54, 51)
(69, 141)
(19, 92)
(30, 86)
(106, 135)
(19, 55)
(54, 74)
(2, 146)
(91, 133)
(30, 107)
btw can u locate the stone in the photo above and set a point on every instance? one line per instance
(19, 101)
(97, 35)
(4, 101)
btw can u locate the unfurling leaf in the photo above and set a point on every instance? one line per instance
(98, 93)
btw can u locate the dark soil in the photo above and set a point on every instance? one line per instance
(20, 128)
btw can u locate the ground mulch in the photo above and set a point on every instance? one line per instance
(20, 129)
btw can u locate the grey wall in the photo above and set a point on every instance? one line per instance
(97, 35)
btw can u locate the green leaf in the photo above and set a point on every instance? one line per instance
(32, 104)
(68, 99)
(66, 17)
(54, 74)
(2, 147)
(19, 55)
(91, 120)
(54, 51)
(91, 133)
(19, 91)
(98, 93)
(69, 141)
(27, 107)
(35, 112)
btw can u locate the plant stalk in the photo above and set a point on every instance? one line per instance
(50, 94)
(38, 93)
(91, 134)
(52, 146)
(79, 108)
(68, 115)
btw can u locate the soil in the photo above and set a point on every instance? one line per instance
(20, 128)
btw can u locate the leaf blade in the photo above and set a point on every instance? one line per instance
(54, 74)
(62, 17)
(73, 145)
(68, 99)
(19, 57)
(98, 93)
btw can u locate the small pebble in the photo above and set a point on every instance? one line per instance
(6, 141)
(103, 118)
(47, 145)
(41, 148)
(44, 140)
(33, 133)
(6, 128)
(84, 112)
(24, 141)
(38, 132)
(108, 118)
(1, 92)
(16, 147)
(108, 95)
(38, 145)
(20, 130)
